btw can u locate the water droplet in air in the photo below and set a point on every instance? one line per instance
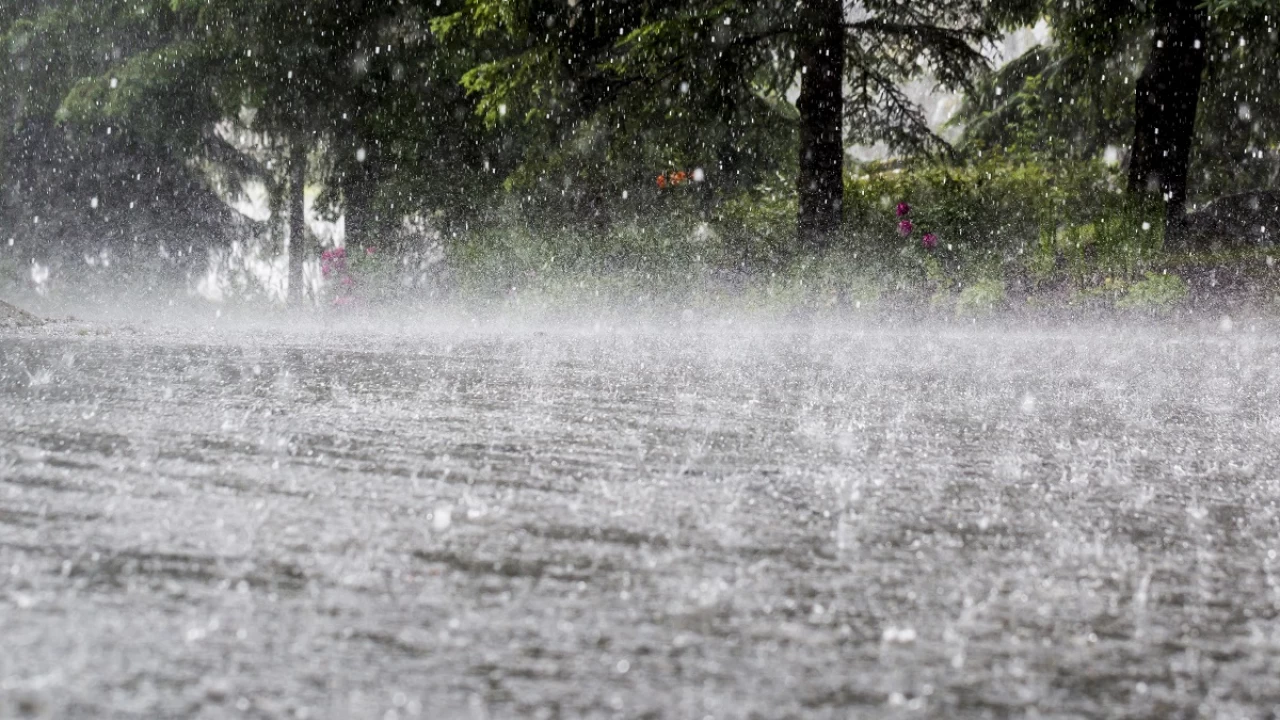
(442, 517)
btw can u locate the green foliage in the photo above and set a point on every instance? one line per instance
(604, 91)
(1154, 292)
(1075, 97)
(1008, 227)
(1035, 104)
(352, 83)
(760, 223)
(1000, 214)
(981, 297)
(526, 136)
(109, 185)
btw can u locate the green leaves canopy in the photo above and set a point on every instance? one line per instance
(1074, 98)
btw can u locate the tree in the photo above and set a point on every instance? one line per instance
(361, 89)
(107, 189)
(820, 181)
(570, 67)
(297, 216)
(1166, 97)
(1183, 85)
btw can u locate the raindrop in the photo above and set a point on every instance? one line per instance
(903, 636)
(442, 517)
(39, 273)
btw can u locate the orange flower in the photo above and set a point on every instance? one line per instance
(662, 180)
(678, 178)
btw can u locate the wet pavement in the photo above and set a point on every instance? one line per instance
(802, 520)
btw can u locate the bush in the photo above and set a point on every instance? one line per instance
(1001, 215)
(1155, 291)
(980, 298)
(759, 226)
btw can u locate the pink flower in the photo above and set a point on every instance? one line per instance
(332, 261)
(929, 241)
(905, 227)
(369, 251)
(903, 209)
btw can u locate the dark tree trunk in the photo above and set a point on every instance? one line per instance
(821, 181)
(8, 148)
(278, 223)
(297, 219)
(1168, 93)
(358, 182)
(723, 178)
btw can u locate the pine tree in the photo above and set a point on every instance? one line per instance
(716, 73)
(1183, 86)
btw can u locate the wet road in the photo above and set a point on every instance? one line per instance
(766, 522)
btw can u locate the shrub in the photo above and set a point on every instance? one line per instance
(981, 297)
(1000, 215)
(1155, 291)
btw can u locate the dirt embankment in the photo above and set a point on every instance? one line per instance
(11, 317)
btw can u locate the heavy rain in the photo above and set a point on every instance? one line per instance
(612, 359)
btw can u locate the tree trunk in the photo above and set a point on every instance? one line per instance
(820, 185)
(1168, 93)
(358, 182)
(277, 223)
(297, 219)
(8, 183)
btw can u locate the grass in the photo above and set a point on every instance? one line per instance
(1031, 260)
(1014, 235)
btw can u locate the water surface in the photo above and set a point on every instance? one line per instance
(730, 522)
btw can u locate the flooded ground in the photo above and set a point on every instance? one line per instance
(729, 522)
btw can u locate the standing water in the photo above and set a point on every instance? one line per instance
(724, 522)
